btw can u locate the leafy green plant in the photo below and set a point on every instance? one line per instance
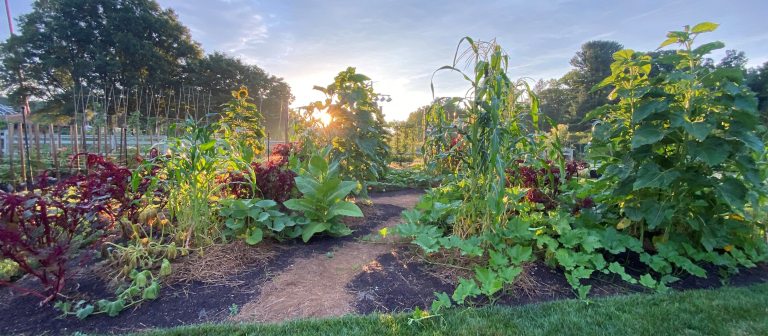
(250, 218)
(196, 158)
(323, 198)
(680, 155)
(357, 129)
(144, 285)
(241, 121)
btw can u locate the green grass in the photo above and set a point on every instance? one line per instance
(727, 311)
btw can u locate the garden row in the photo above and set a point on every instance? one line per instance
(209, 188)
(677, 180)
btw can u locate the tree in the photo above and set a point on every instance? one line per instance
(757, 80)
(555, 99)
(219, 73)
(64, 44)
(733, 59)
(592, 64)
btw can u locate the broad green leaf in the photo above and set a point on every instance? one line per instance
(648, 281)
(427, 243)
(490, 283)
(645, 110)
(339, 230)
(151, 292)
(298, 205)
(141, 279)
(317, 165)
(699, 130)
(165, 268)
(345, 208)
(311, 229)
(208, 145)
(647, 135)
(234, 224)
(708, 48)
(266, 203)
(565, 259)
(668, 41)
(519, 254)
(307, 185)
(84, 312)
(254, 236)
(443, 301)
(650, 176)
(342, 190)
(704, 27)
(466, 288)
(751, 140)
(713, 151)
(508, 274)
(733, 192)
(623, 55)
(278, 224)
(114, 308)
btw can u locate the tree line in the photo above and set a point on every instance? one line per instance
(69, 48)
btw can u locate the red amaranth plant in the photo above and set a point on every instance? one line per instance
(46, 230)
(544, 183)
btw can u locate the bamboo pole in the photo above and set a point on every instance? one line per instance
(54, 150)
(22, 153)
(11, 167)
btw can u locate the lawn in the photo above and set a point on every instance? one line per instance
(725, 311)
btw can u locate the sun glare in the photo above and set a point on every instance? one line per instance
(324, 117)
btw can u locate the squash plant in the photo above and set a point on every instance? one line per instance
(323, 201)
(679, 155)
(249, 218)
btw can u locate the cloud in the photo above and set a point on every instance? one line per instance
(233, 26)
(399, 43)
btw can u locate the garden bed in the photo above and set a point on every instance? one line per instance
(397, 280)
(180, 303)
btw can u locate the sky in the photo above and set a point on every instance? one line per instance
(400, 43)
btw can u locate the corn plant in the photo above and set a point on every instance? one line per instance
(497, 120)
(196, 159)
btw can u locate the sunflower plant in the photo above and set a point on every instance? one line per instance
(242, 122)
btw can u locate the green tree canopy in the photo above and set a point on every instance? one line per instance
(67, 43)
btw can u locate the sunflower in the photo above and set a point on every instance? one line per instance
(242, 93)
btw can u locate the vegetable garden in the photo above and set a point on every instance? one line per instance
(671, 196)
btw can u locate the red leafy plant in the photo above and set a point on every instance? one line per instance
(544, 183)
(46, 231)
(274, 179)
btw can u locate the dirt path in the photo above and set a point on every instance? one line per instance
(316, 286)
